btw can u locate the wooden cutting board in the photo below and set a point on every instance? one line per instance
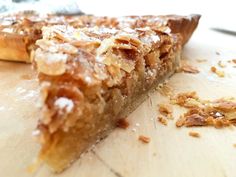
(171, 152)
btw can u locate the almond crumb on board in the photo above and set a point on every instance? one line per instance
(217, 72)
(182, 99)
(189, 69)
(213, 69)
(180, 122)
(165, 109)
(194, 134)
(144, 139)
(122, 123)
(162, 120)
(217, 113)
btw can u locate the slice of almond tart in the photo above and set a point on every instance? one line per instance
(92, 76)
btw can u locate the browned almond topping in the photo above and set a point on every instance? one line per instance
(122, 123)
(189, 69)
(165, 109)
(194, 134)
(144, 139)
(162, 120)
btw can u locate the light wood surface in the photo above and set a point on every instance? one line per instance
(171, 152)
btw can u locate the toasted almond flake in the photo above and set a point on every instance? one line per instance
(144, 139)
(162, 120)
(189, 69)
(182, 98)
(220, 73)
(8, 30)
(180, 122)
(155, 38)
(122, 123)
(194, 134)
(165, 109)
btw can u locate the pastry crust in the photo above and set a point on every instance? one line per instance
(19, 32)
(13, 47)
(92, 76)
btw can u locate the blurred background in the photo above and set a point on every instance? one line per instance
(215, 13)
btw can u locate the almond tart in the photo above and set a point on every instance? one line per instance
(92, 76)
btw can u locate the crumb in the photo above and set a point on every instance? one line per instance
(201, 60)
(181, 99)
(195, 120)
(189, 69)
(134, 129)
(217, 53)
(162, 120)
(221, 64)
(217, 72)
(213, 69)
(137, 124)
(180, 122)
(194, 134)
(234, 145)
(170, 116)
(144, 139)
(165, 109)
(122, 123)
(234, 61)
